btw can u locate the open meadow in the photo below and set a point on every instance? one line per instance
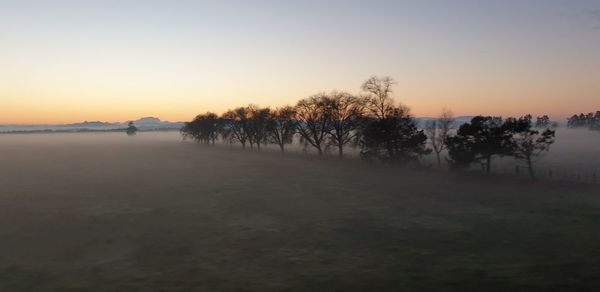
(107, 212)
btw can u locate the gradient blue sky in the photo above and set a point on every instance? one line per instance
(66, 61)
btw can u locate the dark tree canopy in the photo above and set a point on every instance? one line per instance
(485, 137)
(259, 125)
(204, 128)
(131, 129)
(477, 142)
(237, 125)
(393, 139)
(281, 127)
(528, 144)
(590, 121)
(542, 122)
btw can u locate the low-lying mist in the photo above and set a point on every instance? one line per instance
(112, 212)
(575, 152)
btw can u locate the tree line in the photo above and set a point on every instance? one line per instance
(380, 128)
(372, 121)
(590, 121)
(483, 138)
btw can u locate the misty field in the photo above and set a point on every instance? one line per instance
(107, 212)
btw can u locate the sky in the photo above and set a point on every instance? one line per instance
(70, 61)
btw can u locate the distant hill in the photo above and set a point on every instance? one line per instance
(152, 123)
(143, 124)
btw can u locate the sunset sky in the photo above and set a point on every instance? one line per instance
(69, 61)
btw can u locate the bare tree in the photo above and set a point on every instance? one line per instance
(438, 130)
(312, 118)
(380, 101)
(345, 117)
(282, 126)
(237, 125)
(259, 123)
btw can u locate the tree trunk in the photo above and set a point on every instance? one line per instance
(281, 147)
(319, 150)
(488, 164)
(341, 150)
(439, 161)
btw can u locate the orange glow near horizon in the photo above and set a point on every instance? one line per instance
(65, 111)
(70, 104)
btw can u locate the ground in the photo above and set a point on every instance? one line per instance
(108, 212)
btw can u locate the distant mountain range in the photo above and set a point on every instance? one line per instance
(143, 124)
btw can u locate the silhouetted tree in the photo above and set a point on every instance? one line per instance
(313, 121)
(437, 131)
(394, 138)
(211, 127)
(259, 124)
(526, 143)
(577, 121)
(542, 122)
(379, 99)
(203, 128)
(282, 126)
(237, 125)
(461, 151)
(345, 117)
(190, 130)
(595, 123)
(131, 129)
(590, 121)
(478, 141)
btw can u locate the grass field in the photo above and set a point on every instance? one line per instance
(105, 212)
